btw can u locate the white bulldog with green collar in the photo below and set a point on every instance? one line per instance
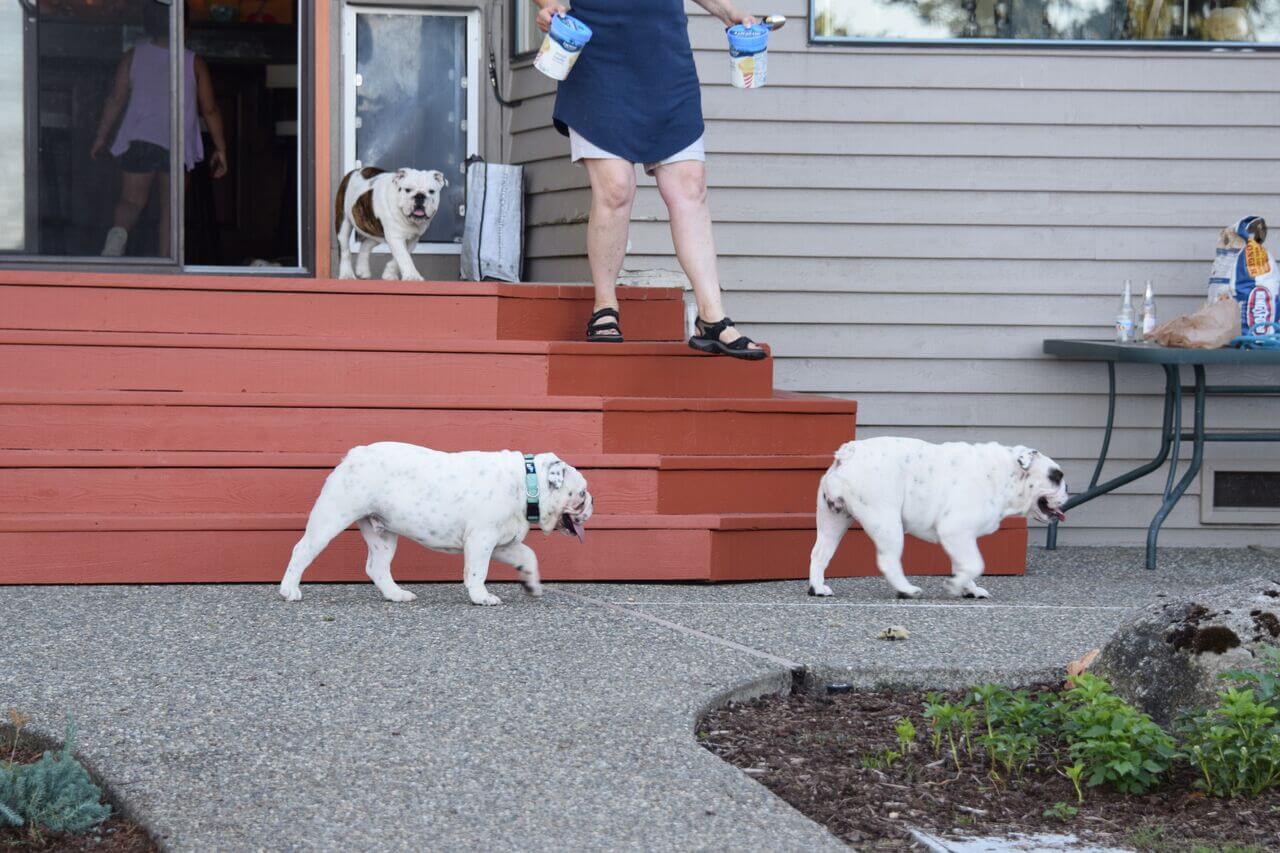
(475, 503)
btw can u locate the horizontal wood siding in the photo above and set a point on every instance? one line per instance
(906, 225)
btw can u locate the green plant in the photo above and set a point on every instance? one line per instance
(906, 731)
(1265, 679)
(1236, 745)
(54, 794)
(952, 721)
(1074, 773)
(1009, 751)
(1116, 743)
(1061, 811)
(882, 760)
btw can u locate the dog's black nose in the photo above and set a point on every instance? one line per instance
(419, 198)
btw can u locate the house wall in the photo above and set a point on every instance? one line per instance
(905, 226)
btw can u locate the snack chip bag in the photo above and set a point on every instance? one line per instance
(1244, 270)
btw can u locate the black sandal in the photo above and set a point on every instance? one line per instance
(598, 331)
(708, 340)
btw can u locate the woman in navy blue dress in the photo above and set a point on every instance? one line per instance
(633, 97)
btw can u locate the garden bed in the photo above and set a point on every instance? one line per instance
(839, 760)
(117, 834)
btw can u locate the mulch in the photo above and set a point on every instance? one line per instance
(809, 750)
(115, 835)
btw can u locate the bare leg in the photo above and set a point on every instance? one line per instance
(382, 548)
(613, 190)
(476, 551)
(344, 250)
(683, 186)
(521, 556)
(135, 188)
(966, 565)
(832, 526)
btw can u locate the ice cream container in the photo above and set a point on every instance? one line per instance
(565, 39)
(748, 55)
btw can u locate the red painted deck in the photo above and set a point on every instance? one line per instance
(177, 429)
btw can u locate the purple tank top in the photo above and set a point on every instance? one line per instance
(146, 119)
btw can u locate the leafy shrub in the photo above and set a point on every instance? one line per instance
(54, 794)
(1116, 743)
(906, 732)
(1236, 746)
(1061, 811)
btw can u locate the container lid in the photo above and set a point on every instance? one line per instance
(751, 39)
(569, 28)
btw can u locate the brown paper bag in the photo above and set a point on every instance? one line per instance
(1211, 327)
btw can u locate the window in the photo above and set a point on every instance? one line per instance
(87, 100)
(410, 103)
(1152, 21)
(525, 35)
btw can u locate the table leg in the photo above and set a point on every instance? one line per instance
(1171, 498)
(1171, 387)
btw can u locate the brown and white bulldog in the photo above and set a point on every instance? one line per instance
(385, 207)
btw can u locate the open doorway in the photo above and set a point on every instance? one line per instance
(88, 95)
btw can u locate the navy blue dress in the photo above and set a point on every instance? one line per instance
(634, 90)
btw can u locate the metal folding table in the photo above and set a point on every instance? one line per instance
(1171, 433)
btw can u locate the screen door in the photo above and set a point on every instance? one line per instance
(409, 102)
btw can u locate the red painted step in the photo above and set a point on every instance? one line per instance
(279, 364)
(133, 483)
(141, 421)
(184, 549)
(355, 310)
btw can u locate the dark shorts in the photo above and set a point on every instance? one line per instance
(142, 157)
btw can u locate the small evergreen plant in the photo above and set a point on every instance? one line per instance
(53, 794)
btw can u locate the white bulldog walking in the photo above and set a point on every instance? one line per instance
(479, 504)
(950, 494)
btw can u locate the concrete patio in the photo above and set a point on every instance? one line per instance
(227, 719)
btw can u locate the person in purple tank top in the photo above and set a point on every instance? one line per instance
(141, 93)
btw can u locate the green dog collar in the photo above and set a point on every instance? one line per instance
(532, 512)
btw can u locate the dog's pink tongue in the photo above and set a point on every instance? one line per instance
(580, 533)
(1059, 515)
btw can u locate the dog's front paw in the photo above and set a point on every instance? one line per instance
(486, 600)
(400, 595)
(910, 592)
(290, 592)
(412, 275)
(534, 589)
(822, 590)
(975, 591)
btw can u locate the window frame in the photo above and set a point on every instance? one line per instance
(1040, 44)
(513, 45)
(307, 42)
(474, 84)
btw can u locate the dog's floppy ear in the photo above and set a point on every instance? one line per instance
(555, 474)
(400, 174)
(1026, 456)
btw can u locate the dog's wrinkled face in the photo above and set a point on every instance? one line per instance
(418, 194)
(1044, 485)
(566, 504)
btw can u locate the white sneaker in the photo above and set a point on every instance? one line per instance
(117, 238)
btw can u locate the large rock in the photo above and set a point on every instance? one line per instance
(1166, 659)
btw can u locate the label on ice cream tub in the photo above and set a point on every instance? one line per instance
(748, 55)
(565, 40)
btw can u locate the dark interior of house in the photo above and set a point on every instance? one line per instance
(247, 217)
